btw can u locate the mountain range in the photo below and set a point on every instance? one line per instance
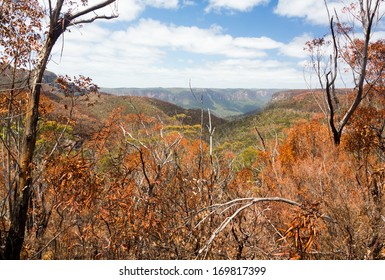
(224, 103)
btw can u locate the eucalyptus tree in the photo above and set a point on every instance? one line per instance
(26, 42)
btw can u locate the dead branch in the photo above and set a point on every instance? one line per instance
(246, 203)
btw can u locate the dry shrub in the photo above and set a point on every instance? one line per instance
(311, 170)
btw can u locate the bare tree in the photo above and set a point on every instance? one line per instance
(367, 13)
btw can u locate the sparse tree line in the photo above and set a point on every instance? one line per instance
(140, 188)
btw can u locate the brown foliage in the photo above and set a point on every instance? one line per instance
(139, 189)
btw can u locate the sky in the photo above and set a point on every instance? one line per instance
(209, 43)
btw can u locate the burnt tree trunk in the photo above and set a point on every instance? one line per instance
(22, 191)
(59, 22)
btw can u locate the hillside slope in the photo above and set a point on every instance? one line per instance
(222, 102)
(285, 109)
(91, 111)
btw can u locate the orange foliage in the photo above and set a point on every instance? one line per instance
(305, 140)
(140, 190)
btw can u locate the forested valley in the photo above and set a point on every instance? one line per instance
(89, 175)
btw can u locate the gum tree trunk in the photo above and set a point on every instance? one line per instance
(59, 22)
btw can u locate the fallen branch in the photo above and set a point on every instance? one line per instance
(246, 203)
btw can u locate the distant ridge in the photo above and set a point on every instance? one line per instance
(224, 103)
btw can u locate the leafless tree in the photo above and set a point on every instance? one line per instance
(366, 14)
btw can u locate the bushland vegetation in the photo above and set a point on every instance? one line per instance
(141, 186)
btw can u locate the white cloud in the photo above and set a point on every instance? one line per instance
(295, 48)
(314, 11)
(131, 9)
(210, 41)
(128, 10)
(151, 54)
(262, 43)
(188, 3)
(247, 73)
(238, 5)
(378, 35)
(167, 4)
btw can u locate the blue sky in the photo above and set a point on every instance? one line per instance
(213, 43)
